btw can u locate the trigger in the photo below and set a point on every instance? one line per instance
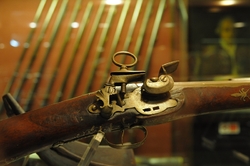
(129, 145)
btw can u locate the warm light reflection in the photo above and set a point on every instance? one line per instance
(239, 24)
(14, 43)
(169, 25)
(2, 46)
(113, 2)
(74, 24)
(227, 2)
(103, 25)
(32, 25)
(214, 9)
(46, 44)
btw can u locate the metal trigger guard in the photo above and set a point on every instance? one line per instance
(128, 145)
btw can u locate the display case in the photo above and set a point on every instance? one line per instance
(55, 50)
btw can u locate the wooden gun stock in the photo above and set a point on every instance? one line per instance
(40, 129)
(70, 120)
(51, 126)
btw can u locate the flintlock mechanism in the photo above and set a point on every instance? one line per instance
(115, 97)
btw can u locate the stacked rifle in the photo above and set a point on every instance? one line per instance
(51, 69)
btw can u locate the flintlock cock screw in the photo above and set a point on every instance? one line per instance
(154, 79)
(164, 78)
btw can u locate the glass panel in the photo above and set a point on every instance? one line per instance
(219, 41)
(219, 49)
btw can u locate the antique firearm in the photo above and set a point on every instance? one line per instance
(126, 101)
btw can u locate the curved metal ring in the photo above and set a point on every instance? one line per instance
(130, 145)
(125, 53)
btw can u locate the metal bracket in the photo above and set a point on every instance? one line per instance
(11, 105)
(91, 149)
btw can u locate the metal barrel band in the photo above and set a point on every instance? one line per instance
(128, 145)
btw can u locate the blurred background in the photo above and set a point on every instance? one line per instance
(53, 50)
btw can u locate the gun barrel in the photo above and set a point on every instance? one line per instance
(198, 98)
(210, 97)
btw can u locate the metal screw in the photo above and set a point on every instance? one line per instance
(164, 78)
(94, 107)
(110, 89)
(154, 79)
